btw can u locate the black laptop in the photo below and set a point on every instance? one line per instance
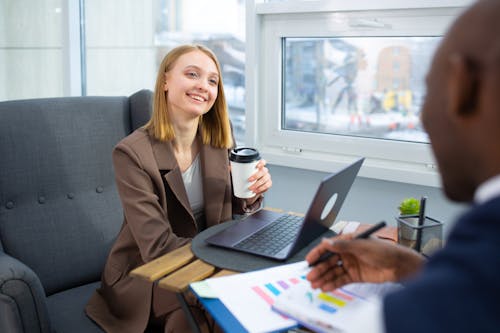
(279, 235)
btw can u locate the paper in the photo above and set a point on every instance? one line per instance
(350, 227)
(202, 289)
(338, 226)
(352, 308)
(249, 296)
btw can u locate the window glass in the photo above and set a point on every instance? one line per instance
(358, 86)
(126, 41)
(119, 54)
(31, 49)
(219, 25)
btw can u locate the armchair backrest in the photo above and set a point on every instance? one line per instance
(59, 208)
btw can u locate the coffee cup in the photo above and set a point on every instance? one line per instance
(243, 162)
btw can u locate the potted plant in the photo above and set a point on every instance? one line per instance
(409, 210)
(409, 206)
(415, 229)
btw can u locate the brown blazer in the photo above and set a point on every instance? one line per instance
(157, 220)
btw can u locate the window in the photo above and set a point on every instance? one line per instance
(357, 86)
(335, 81)
(31, 49)
(91, 47)
(126, 57)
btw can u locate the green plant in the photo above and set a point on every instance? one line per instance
(409, 206)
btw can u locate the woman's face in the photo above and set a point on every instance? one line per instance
(191, 85)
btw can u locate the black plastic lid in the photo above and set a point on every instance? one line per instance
(244, 155)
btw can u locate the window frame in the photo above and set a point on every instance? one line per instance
(268, 23)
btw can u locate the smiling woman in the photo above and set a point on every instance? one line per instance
(192, 87)
(173, 179)
(190, 71)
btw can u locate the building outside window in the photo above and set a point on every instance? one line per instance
(358, 86)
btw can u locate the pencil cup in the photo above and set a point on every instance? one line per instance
(426, 238)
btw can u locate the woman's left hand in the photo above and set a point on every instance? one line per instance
(262, 179)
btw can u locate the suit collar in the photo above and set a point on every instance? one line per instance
(215, 168)
(487, 190)
(164, 154)
(215, 171)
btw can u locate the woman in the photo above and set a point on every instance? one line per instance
(173, 179)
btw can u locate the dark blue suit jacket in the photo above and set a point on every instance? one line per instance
(459, 288)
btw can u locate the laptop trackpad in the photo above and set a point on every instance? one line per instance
(240, 230)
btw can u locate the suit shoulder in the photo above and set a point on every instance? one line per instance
(136, 140)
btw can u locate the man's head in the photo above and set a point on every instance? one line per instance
(461, 112)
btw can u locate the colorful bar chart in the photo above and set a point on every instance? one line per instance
(329, 302)
(277, 298)
(269, 291)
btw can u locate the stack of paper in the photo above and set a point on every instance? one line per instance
(352, 308)
(249, 296)
(255, 298)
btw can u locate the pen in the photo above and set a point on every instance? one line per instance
(421, 220)
(365, 234)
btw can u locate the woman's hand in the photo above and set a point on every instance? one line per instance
(361, 260)
(262, 183)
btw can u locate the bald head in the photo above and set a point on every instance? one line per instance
(461, 112)
(475, 32)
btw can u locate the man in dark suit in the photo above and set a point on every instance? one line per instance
(457, 289)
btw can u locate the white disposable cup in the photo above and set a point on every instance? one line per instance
(243, 165)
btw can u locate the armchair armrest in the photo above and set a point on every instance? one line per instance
(22, 298)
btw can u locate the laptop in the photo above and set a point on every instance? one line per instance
(280, 235)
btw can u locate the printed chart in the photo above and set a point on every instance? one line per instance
(352, 308)
(250, 296)
(270, 290)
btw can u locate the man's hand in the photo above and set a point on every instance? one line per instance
(361, 260)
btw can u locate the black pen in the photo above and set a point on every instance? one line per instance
(365, 234)
(421, 220)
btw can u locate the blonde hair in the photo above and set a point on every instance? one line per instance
(214, 125)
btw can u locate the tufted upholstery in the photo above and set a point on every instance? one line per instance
(59, 209)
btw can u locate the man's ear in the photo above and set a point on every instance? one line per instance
(463, 85)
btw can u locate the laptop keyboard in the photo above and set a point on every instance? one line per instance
(274, 237)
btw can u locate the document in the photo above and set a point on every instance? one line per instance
(350, 309)
(249, 296)
(280, 297)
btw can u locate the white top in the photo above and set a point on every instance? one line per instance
(487, 190)
(194, 188)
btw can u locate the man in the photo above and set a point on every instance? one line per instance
(457, 289)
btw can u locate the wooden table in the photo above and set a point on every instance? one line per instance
(175, 270)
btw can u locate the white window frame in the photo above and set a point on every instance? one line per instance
(268, 23)
(72, 47)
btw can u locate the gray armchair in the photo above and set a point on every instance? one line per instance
(59, 208)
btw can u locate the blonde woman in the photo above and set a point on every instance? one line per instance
(173, 179)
